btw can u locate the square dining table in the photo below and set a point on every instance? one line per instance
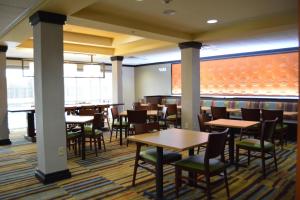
(232, 123)
(177, 139)
(81, 121)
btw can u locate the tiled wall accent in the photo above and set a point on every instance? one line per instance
(270, 75)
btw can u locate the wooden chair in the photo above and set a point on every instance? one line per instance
(281, 129)
(251, 115)
(172, 115)
(162, 118)
(202, 118)
(219, 113)
(73, 140)
(207, 165)
(135, 117)
(149, 156)
(264, 145)
(116, 123)
(94, 132)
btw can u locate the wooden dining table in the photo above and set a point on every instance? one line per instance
(81, 121)
(177, 139)
(123, 114)
(231, 124)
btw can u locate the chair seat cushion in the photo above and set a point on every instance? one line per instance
(88, 130)
(168, 156)
(171, 117)
(197, 163)
(117, 123)
(280, 127)
(162, 123)
(254, 144)
(73, 134)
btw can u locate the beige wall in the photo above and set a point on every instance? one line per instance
(128, 86)
(150, 81)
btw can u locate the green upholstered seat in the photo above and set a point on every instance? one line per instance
(117, 123)
(168, 156)
(171, 117)
(72, 134)
(279, 127)
(162, 123)
(88, 131)
(197, 163)
(254, 144)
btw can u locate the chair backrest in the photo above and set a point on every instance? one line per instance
(171, 109)
(135, 104)
(215, 145)
(267, 131)
(137, 116)
(153, 107)
(250, 114)
(87, 111)
(146, 128)
(202, 118)
(98, 121)
(140, 107)
(114, 112)
(219, 113)
(272, 114)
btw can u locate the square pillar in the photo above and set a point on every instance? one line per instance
(49, 96)
(117, 84)
(190, 84)
(4, 132)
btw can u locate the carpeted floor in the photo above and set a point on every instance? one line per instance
(109, 176)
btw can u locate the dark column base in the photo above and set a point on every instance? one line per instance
(5, 142)
(53, 177)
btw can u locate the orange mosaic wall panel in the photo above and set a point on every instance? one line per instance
(264, 75)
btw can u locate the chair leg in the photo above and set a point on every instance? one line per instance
(178, 177)
(249, 155)
(96, 148)
(117, 133)
(226, 184)
(137, 156)
(103, 142)
(263, 163)
(99, 142)
(207, 177)
(111, 133)
(237, 158)
(198, 150)
(91, 143)
(275, 159)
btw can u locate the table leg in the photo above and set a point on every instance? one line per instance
(82, 142)
(31, 136)
(231, 146)
(121, 139)
(191, 174)
(159, 173)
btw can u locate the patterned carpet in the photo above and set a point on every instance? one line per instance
(109, 176)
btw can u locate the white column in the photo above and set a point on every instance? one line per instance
(117, 84)
(190, 84)
(49, 96)
(4, 132)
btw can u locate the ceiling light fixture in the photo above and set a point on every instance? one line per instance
(139, 0)
(169, 12)
(212, 21)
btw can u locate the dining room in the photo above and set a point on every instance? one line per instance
(149, 99)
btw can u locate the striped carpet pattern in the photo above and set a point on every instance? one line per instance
(109, 176)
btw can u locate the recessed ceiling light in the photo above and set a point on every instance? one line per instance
(212, 21)
(139, 0)
(169, 12)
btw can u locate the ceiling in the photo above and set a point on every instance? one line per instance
(141, 32)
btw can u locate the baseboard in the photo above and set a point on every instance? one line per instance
(52, 177)
(5, 142)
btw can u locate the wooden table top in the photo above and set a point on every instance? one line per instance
(178, 139)
(290, 114)
(77, 119)
(149, 113)
(231, 123)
